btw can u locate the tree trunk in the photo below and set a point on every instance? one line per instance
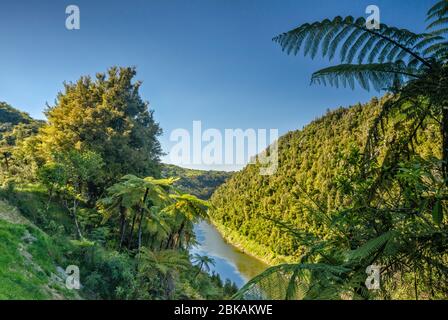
(199, 271)
(178, 240)
(122, 224)
(78, 229)
(49, 199)
(131, 232)
(6, 161)
(142, 214)
(170, 286)
(168, 241)
(445, 143)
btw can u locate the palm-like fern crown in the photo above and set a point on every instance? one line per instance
(372, 57)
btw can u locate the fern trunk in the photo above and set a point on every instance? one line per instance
(445, 142)
(142, 214)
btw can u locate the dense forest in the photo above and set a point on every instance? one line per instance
(85, 188)
(199, 183)
(360, 189)
(314, 164)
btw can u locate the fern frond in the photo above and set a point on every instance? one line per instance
(441, 22)
(438, 26)
(288, 281)
(367, 75)
(440, 9)
(370, 247)
(353, 39)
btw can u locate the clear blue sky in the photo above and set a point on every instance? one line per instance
(208, 60)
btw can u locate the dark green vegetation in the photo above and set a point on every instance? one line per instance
(377, 194)
(313, 164)
(196, 182)
(15, 126)
(27, 261)
(362, 186)
(72, 193)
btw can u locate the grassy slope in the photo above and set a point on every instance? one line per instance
(28, 260)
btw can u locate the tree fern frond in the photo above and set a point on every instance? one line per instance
(320, 35)
(429, 40)
(436, 47)
(377, 75)
(283, 281)
(440, 32)
(366, 40)
(353, 39)
(366, 49)
(313, 39)
(438, 18)
(385, 52)
(335, 28)
(438, 10)
(370, 247)
(350, 42)
(438, 23)
(337, 39)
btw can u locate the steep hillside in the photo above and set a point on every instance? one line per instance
(13, 116)
(196, 182)
(28, 260)
(310, 160)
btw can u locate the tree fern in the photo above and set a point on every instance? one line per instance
(367, 250)
(288, 281)
(380, 76)
(385, 49)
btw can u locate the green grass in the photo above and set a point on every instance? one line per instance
(27, 266)
(32, 200)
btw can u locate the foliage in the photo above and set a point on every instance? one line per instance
(15, 127)
(106, 116)
(392, 213)
(27, 264)
(199, 183)
(313, 166)
(130, 236)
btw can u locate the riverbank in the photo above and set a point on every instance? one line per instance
(230, 262)
(250, 247)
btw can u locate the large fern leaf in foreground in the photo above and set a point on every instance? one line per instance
(367, 55)
(379, 75)
(288, 281)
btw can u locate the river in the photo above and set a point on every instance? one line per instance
(230, 262)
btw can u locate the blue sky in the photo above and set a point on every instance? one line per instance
(208, 60)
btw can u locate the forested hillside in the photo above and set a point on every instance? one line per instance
(15, 126)
(84, 189)
(313, 164)
(199, 183)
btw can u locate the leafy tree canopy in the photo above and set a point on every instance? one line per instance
(105, 115)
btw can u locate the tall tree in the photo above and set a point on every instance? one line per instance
(184, 211)
(132, 200)
(202, 262)
(105, 115)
